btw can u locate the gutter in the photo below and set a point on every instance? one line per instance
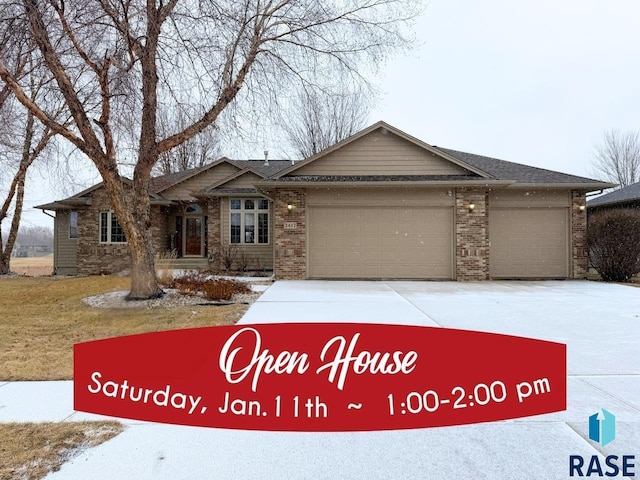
(383, 183)
(573, 186)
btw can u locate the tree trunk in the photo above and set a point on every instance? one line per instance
(144, 283)
(17, 190)
(5, 263)
(132, 209)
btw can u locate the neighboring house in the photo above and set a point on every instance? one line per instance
(626, 197)
(380, 205)
(30, 249)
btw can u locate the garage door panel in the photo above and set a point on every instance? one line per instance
(529, 242)
(347, 241)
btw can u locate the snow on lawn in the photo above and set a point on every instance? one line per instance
(599, 322)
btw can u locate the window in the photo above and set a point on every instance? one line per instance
(249, 220)
(193, 210)
(110, 229)
(73, 224)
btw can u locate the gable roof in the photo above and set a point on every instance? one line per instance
(264, 170)
(160, 183)
(377, 126)
(630, 193)
(83, 199)
(478, 170)
(163, 182)
(481, 169)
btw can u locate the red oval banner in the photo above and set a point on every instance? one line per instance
(320, 377)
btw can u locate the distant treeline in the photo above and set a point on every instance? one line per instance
(32, 237)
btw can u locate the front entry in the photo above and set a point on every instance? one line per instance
(193, 236)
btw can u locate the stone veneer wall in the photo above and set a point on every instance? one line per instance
(95, 258)
(472, 235)
(290, 252)
(579, 252)
(214, 228)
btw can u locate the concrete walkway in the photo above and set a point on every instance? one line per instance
(600, 324)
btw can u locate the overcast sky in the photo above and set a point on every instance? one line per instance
(534, 82)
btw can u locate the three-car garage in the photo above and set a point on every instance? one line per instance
(396, 233)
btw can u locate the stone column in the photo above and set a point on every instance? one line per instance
(472, 235)
(290, 234)
(579, 252)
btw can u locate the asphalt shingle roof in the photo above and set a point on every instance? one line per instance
(629, 193)
(274, 166)
(163, 182)
(495, 169)
(504, 170)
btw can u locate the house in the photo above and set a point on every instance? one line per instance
(378, 205)
(29, 247)
(626, 197)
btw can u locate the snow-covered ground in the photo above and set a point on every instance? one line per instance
(600, 323)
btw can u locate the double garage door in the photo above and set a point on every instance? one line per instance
(365, 236)
(381, 240)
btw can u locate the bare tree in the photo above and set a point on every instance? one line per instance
(617, 158)
(122, 62)
(195, 152)
(320, 119)
(22, 140)
(32, 147)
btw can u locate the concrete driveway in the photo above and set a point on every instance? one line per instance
(600, 323)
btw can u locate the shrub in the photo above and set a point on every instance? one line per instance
(243, 260)
(214, 289)
(613, 240)
(223, 289)
(228, 254)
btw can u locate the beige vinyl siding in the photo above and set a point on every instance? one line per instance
(530, 198)
(529, 233)
(246, 180)
(263, 252)
(398, 196)
(65, 261)
(381, 154)
(380, 233)
(182, 191)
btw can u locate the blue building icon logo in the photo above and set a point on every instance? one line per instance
(602, 427)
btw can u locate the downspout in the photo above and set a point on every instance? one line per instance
(55, 241)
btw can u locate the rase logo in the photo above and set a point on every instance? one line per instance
(602, 429)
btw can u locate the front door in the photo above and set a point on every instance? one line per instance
(193, 236)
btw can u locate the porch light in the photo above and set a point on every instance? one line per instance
(290, 207)
(472, 207)
(581, 208)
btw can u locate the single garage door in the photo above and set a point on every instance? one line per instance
(529, 242)
(348, 241)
